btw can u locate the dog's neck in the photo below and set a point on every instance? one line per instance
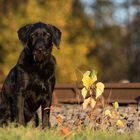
(28, 57)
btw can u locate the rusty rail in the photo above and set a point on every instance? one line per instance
(124, 93)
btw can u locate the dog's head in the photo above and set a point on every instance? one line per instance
(39, 38)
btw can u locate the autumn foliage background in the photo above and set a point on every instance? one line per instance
(88, 42)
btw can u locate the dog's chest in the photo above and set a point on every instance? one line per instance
(36, 91)
(37, 85)
(37, 82)
(34, 100)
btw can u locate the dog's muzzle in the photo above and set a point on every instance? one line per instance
(40, 55)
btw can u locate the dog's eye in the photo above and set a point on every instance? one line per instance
(45, 34)
(34, 34)
(48, 34)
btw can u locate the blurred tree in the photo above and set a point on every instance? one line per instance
(132, 41)
(116, 48)
(110, 53)
(134, 69)
(108, 46)
(103, 12)
(66, 15)
(10, 5)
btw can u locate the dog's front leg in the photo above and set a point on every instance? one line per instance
(47, 103)
(46, 112)
(20, 110)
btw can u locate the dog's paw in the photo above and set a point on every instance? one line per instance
(48, 126)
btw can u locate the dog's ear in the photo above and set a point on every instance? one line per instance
(23, 33)
(56, 36)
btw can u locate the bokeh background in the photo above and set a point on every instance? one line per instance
(96, 34)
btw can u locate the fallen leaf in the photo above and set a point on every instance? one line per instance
(65, 131)
(107, 112)
(88, 116)
(113, 115)
(120, 124)
(99, 89)
(94, 110)
(60, 119)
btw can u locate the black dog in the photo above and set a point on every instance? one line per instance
(30, 83)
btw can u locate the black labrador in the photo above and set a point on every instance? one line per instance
(31, 81)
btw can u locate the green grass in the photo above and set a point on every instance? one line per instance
(88, 135)
(29, 133)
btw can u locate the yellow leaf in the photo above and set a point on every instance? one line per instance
(99, 89)
(94, 79)
(110, 114)
(86, 103)
(87, 80)
(120, 124)
(84, 92)
(116, 105)
(113, 115)
(87, 73)
(107, 112)
(92, 103)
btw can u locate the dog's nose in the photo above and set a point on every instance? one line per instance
(40, 49)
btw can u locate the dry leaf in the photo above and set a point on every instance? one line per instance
(107, 112)
(60, 119)
(84, 92)
(113, 115)
(88, 116)
(99, 89)
(94, 111)
(120, 124)
(86, 103)
(65, 131)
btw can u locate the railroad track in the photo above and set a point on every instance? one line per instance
(123, 93)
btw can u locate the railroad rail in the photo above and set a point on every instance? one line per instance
(123, 93)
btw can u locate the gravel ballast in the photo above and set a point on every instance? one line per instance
(73, 115)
